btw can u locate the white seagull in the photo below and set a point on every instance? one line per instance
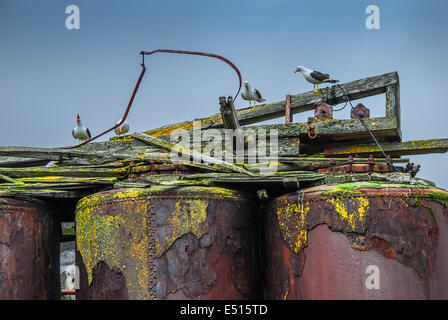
(123, 129)
(250, 93)
(315, 77)
(80, 132)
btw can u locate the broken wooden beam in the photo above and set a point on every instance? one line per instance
(189, 153)
(391, 148)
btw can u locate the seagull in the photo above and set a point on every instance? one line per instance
(80, 132)
(123, 129)
(251, 94)
(315, 77)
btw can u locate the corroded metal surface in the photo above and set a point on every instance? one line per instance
(29, 250)
(321, 241)
(360, 112)
(323, 110)
(168, 243)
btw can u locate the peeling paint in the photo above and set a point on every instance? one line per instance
(188, 216)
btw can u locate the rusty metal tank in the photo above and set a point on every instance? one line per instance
(168, 243)
(29, 250)
(360, 240)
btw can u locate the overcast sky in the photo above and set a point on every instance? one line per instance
(49, 73)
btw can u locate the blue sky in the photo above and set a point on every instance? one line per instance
(49, 73)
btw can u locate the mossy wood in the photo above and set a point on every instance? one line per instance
(187, 152)
(392, 148)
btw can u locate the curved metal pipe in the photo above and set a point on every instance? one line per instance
(125, 113)
(143, 53)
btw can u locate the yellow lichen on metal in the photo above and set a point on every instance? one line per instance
(188, 216)
(114, 227)
(292, 219)
(94, 200)
(355, 215)
(119, 240)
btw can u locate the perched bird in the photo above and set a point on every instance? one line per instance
(250, 93)
(315, 77)
(80, 132)
(123, 129)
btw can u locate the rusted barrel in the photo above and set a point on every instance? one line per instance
(29, 250)
(168, 243)
(357, 241)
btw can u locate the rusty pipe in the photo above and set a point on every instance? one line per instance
(143, 53)
(142, 73)
(212, 55)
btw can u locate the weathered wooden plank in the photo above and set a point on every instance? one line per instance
(46, 193)
(62, 179)
(8, 179)
(128, 184)
(357, 89)
(66, 171)
(335, 129)
(187, 152)
(53, 186)
(392, 148)
(45, 153)
(237, 178)
(41, 156)
(15, 162)
(286, 164)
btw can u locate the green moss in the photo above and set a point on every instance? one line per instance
(341, 193)
(439, 197)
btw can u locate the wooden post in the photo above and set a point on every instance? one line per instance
(228, 113)
(231, 121)
(393, 103)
